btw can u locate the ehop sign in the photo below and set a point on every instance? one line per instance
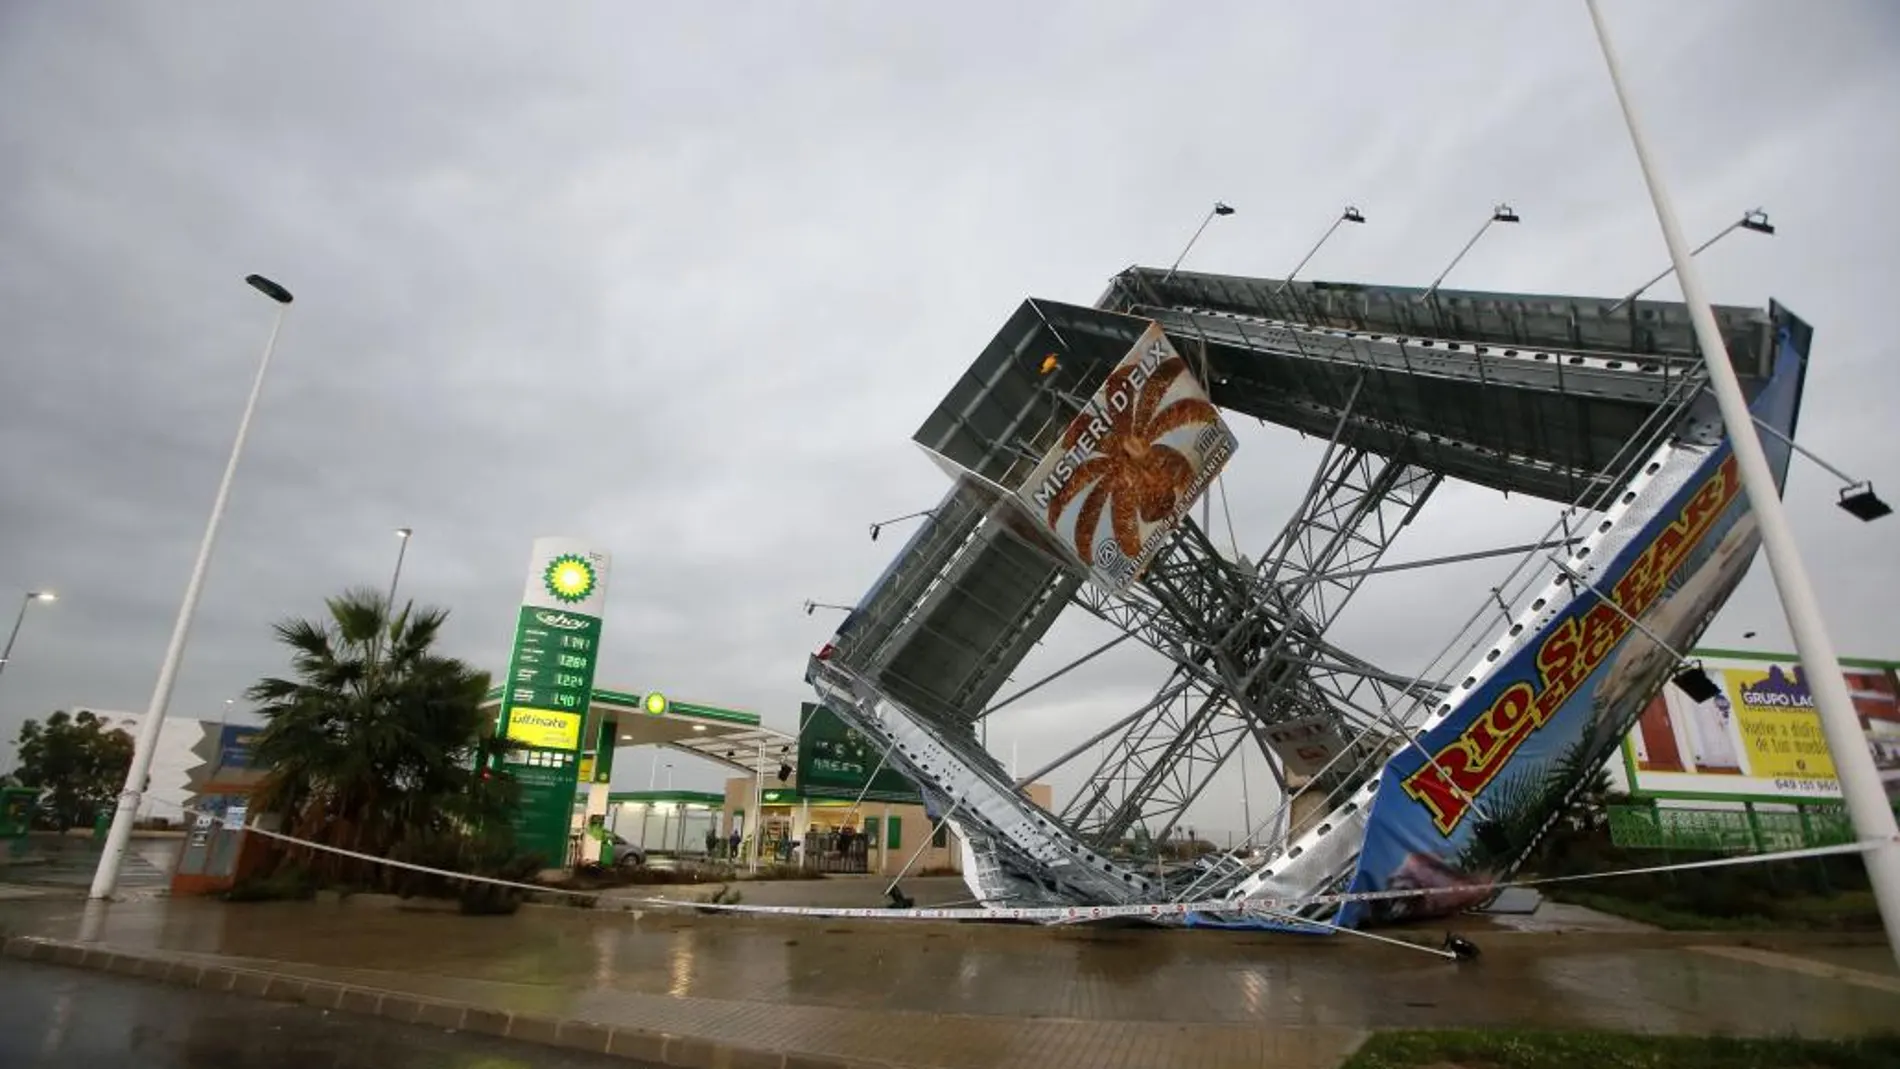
(557, 632)
(545, 697)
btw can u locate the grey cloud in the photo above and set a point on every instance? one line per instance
(685, 284)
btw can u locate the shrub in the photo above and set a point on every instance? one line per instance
(644, 876)
(287, 883)
(779, 870)
(487, 899)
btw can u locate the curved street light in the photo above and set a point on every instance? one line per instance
(402, 549)
(106, 878)
(6, 654)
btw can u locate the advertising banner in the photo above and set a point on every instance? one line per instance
(1759, 739)
(835, 761)
(234, 746)
(544, 699)
(548, 729)
(1130, 464)
(1507, 758)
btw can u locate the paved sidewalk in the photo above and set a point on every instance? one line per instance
(686, 989)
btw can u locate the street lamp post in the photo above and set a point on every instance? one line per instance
(1219, 208)
(1350, 215)
(6, 655)
(1860, 782)
(402, 534)
(1502, 213)
(814, 606)
(389, 605)
(1756, 220)
(106, 878)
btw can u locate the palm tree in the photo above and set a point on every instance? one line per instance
(1521, 811)
(375, 743)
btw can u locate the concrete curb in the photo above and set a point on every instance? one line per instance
(657, 1048)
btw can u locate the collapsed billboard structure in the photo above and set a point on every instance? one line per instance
(1079, 439)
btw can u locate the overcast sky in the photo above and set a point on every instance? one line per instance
(685, 282)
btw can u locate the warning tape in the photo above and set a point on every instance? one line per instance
(1264, 907)
(1280, 909)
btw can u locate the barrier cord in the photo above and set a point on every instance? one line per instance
(1283, 910)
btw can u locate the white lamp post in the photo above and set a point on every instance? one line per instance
(32, 596)
(106, 878)
(402, 549)
(1860, 781)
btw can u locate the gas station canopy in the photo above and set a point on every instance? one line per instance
(726, 736)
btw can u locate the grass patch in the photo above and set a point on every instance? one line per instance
(1510, 1049)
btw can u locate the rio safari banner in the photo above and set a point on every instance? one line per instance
(544, 698)
(1509, 756)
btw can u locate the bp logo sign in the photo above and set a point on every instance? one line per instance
(569, 579)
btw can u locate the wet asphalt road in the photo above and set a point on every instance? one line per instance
(58, 1018)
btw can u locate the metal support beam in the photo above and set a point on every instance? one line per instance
(1254, 636)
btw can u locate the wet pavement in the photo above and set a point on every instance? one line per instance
(57, 1018)
(70, 861)
(930, 994)
(832, 892)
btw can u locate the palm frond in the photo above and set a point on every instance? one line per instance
(369, 739)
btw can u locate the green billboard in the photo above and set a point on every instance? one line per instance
(836, 761)
(544, 698)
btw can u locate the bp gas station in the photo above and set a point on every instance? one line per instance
(786, 797)
(559, 807)
(822, 796)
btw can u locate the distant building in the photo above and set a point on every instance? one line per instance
(188, 751)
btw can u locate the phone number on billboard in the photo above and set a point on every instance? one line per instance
(1808, 786)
